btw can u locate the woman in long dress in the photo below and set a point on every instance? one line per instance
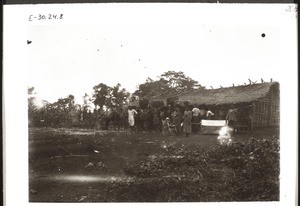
(187, 120)
(131, 113)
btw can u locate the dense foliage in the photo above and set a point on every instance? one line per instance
(168, 82)
(109, 96)
(246, 171)
(66, 113)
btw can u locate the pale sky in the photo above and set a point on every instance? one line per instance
(71, 59)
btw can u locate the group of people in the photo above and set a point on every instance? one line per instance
(182, 119)
(185, 120)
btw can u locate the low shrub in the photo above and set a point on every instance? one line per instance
(244, 171)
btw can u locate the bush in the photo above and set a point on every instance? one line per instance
(246, 171)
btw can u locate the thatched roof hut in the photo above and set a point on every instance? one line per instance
(229, 95)
(258, 103)
(221, 96)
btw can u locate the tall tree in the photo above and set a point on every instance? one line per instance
(152, 87)
(101, 95)
(64, 112)
(31, 97)
(105, 95)
(168, 82)
(32, 109)
(119, 96)
(179, 81)
(87, 101)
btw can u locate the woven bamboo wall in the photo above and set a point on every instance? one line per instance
(266, 110)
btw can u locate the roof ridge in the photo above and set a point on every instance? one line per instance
(242, 93)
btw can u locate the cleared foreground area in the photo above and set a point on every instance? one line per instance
(79, 165)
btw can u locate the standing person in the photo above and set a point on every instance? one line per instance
(187, 120)
(222, 113)
(124, 120)
(209, 114)
(176, 116)
(156, 120)
(131, 113)
(108, 113)
(231, 117)
(202, 114)
(195, 119)
(168, 111)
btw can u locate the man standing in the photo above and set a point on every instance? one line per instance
(209, 114)
(187, 120)
(176, 116)
(231, 117)
(195, 119)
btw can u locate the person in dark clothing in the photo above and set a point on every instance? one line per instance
(231, 117)
(187, 120)
(176, 117)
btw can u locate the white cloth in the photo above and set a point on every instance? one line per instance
(131, 114)
(209, 113)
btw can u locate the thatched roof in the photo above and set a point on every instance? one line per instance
(227, 95)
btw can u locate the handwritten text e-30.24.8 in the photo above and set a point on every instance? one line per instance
(45, 17)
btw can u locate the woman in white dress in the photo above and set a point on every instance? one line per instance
(131, 113)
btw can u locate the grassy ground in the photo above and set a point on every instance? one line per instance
(73, 165)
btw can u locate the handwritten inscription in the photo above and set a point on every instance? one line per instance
(44, 17)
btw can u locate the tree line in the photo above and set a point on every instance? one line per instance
(66, 113)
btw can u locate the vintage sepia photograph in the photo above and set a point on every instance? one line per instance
(154, 103)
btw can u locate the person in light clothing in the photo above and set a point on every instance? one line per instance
(131, 113)
(195, 119)
(209, 114)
